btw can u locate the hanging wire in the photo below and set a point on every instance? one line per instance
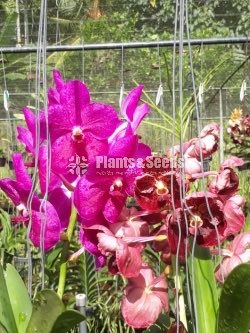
(172, 175)
(40, 77)
(83, 63)
(57, 22)
(48, 145)
(122, 78)
(160, 89)
(202, 169)
(6, 97)
(58, 32)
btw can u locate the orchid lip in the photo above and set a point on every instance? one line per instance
(196, 221)
(117, 185)
(148, 290)
(160, 187)
(22, 209)
(77, 134)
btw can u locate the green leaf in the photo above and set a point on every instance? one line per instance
(66, 321)
(234, 310)
(2, 329)
(204, 290)
(19, 298)
(49, 315)
(8, 29)
(46, 309)
(7, 319)
(53, 255)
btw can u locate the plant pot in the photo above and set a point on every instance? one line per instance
(2, 161)
(206, 166)
(10, 165)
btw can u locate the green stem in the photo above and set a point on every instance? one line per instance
(178, 286)
(64, 254)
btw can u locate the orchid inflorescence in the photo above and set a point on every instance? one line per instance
(239, 127)
(122, 210)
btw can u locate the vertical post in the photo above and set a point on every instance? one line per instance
(81, 306)
(26, 23)
(18, 26)
(221, 129)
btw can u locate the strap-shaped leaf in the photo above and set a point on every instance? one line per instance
(234, 310)
(7, 319)
(19, 298)
(204, 290)
(66, 321)
(49, 315)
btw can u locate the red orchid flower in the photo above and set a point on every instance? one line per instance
(145, 297)
(153, 193)
(236, 253)
(205, 218)
(234, 215)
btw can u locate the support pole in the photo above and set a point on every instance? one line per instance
(18, 25)
(128, 45)
(81, 306)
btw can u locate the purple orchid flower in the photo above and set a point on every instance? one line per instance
(48, 218)
(77, 126)
(105, 190)
(27, 136)
(132, 113)
(19, 191)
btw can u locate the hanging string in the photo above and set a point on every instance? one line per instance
(58, 32)
(160, 89)
(172, 175)
(243, 90)
(57, 23)
(83, 62)
(48, 145)
(201, 159)
(122, 78)
(40, 62)
(6, 98)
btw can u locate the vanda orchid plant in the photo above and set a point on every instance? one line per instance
(126, 201)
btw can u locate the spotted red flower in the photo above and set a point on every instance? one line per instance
(206, 218)
(153, 193)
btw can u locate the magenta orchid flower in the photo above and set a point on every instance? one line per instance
(145, 298)
(104, 190)
(19, 191)
(132, 113)
(27, 136)
(78, 127)
(236, 253)
(48, 219)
